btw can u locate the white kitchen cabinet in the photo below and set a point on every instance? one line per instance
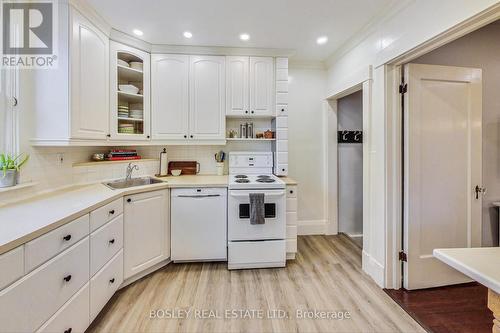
(146, 231)
(207, 96)
(170, 96)
(237, 100)
(250, 86)
(89, 77)
(133, 74)
(291, 221)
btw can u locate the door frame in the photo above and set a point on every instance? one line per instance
(361, 82)
(394, 139)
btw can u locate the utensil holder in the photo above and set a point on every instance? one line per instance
(220, 168)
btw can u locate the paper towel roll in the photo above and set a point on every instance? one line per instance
(163, 163)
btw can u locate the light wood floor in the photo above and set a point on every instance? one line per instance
(326, 276)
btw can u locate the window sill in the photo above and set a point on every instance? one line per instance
(17, 187)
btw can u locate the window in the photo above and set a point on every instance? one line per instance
(9, 142)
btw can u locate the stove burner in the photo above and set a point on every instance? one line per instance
(264, 176)
(265, 180)
(242, 181)
(240, 176)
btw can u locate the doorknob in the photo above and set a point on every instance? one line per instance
(479, 190)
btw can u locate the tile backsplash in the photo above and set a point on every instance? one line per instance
(54, 167)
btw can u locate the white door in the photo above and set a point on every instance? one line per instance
(170, 96)
(89, 49)
(237, 101)
(261, 86)
(120, 74)
(146, 231)
(207, 96)
(442, 113)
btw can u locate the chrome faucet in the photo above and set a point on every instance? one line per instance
(130, 169)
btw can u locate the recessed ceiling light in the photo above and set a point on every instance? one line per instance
(244, 36)
(138, 32)
(322, 40)
(188, 34)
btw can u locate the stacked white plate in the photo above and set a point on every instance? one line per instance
(123, 63)
(136, 65)
(136, 114)
(128, 88)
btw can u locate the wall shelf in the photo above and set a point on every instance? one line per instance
(132, 98)
(131, 119)
(94, 163)
(129, 74)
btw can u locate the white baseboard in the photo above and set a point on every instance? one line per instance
(311, 227)
(374, 269)
(355, 235)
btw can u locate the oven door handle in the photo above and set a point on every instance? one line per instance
(266, 194)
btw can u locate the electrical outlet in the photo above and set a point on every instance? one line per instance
(60, 158)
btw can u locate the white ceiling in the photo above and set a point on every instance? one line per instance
(286, 24)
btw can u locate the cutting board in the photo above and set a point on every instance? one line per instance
(187, 167)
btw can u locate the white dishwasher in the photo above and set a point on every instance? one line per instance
(199, 224)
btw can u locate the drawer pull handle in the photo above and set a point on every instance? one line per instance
(111, 212)
(67, 237)
(67, 278)
(291, 191)
(129, 200)
(112, 241)
(112, 280)
(69, 330)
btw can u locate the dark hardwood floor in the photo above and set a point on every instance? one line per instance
(453, 309)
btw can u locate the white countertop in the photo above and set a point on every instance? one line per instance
(480, 264)
(23, 221)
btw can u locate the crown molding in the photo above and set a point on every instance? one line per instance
(221, 50)
(91, 14)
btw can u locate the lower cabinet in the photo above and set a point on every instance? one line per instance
(291, 221)
(146, 231)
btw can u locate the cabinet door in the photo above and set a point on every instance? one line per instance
(146, 231)
(262, 86)
(207, 92)
(89, 49)
(137, 105)
(170, 99)
(237, 86)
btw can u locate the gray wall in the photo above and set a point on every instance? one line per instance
(350, 166)
(481, 49)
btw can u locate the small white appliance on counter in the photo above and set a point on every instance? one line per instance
(255, 245)
(199, 224)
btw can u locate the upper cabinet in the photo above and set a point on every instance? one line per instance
(250, 86)
(89, 77)
(170, 96)
(207, 93)
(188, 98)
(130, 90)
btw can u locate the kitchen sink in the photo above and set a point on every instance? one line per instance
(126, 183)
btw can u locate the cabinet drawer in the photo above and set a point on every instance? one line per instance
(282, 122)
(73, 316)
(105, 283)
(281, 109)
(282, 74)
(31, 301)
(105, 243)
(281, 98)
(291, 232)
(291, 191)
(101, 216)
(291, 218)
(282, 86)
(291, 204)
(47, 246)
(291, 245)
(282, 63)
(11, 266)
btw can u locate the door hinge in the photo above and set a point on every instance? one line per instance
(402, 256)
(403, 88)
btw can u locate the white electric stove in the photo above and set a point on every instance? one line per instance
(262, 245)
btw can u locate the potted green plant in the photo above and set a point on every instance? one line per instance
(9, 167)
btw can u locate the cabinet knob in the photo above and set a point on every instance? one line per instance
(253, 112)
(191, 136)
(129, 200)
(246, 111)
(69, 330)
(185, 136)
(283, 170)
(112, 280)
(67, 237)
(108, 135)
(282, 110)
(148, 137)
(111, 212)
(112, 241)
(291, 191)
(67, 278)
